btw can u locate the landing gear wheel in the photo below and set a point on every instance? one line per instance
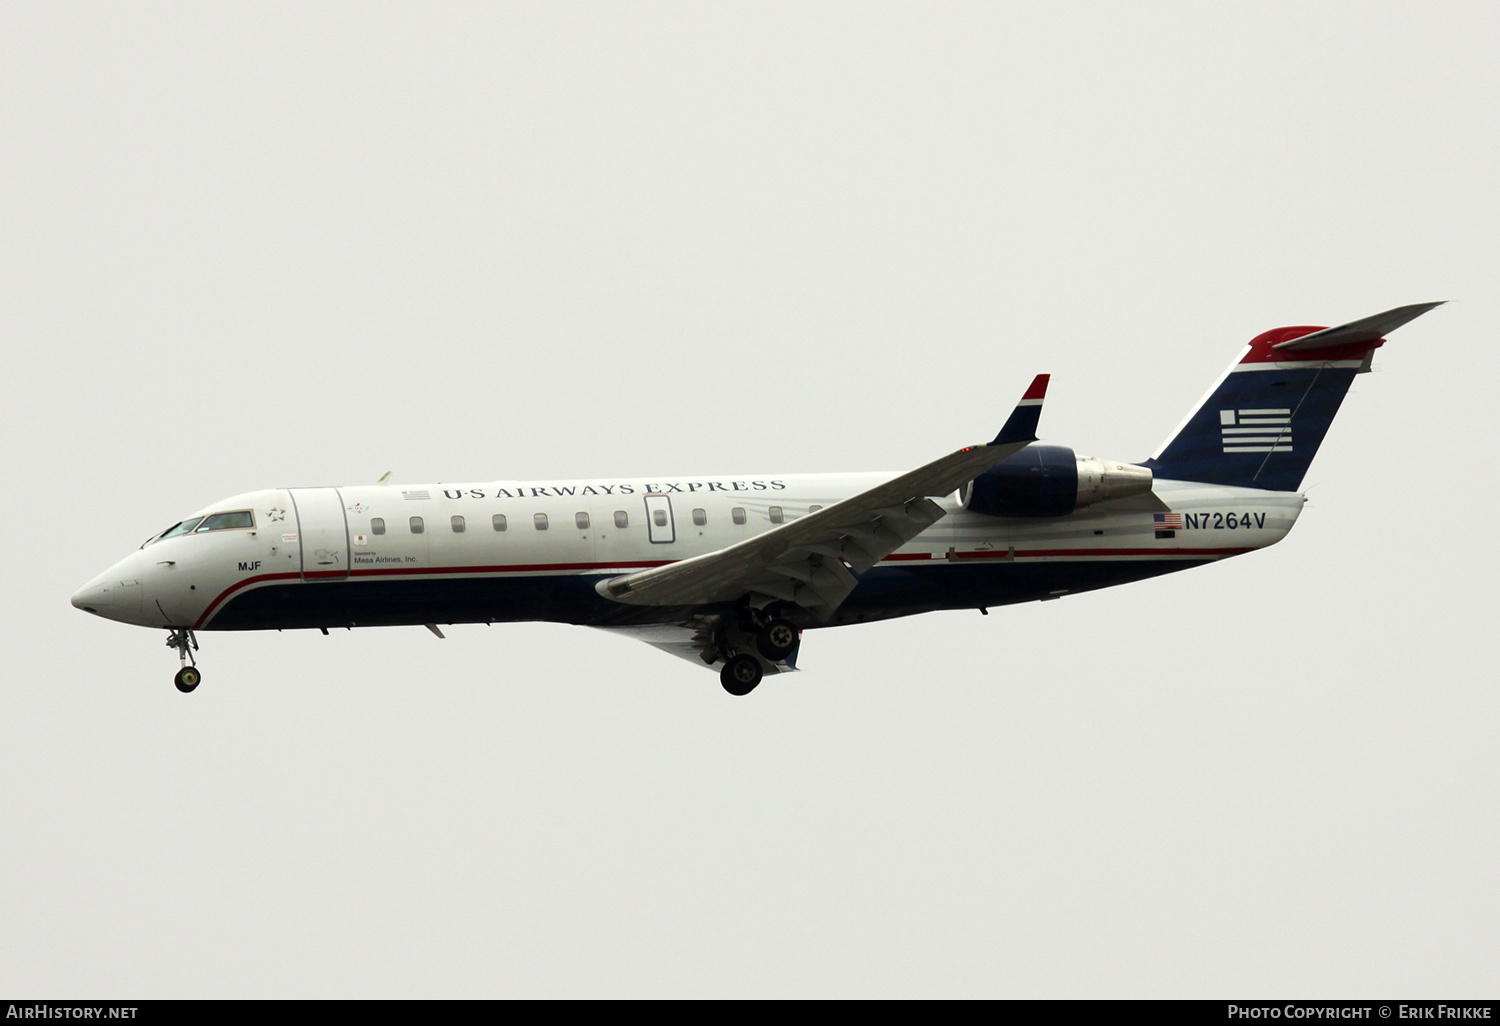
(741, 674)
(777, 640)
(181, 638)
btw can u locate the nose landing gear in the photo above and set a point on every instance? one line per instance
(186, 644)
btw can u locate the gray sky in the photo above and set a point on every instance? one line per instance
(254, 245)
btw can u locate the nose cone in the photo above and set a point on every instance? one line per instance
(116, 593)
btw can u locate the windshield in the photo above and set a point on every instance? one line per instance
(224, 521)
(213, 522)
(182, 528)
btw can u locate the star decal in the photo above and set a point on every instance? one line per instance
(276, 514)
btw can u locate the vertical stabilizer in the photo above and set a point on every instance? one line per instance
(1262, 423)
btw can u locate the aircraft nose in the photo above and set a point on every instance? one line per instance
(114, 594)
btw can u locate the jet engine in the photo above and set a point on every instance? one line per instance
(1050, 481)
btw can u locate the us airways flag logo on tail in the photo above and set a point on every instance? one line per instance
(1256, 430)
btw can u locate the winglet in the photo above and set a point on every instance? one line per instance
(1021, 427)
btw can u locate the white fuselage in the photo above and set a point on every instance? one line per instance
(383, 554)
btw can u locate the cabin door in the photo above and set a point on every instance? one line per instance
(659, 518)
(324, 533)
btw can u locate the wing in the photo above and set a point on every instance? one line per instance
(813, 561)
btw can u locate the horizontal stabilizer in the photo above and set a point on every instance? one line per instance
(1366, 329)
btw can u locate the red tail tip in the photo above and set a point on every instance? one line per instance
(1038, 389)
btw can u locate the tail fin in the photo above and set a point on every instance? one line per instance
(1262, 423)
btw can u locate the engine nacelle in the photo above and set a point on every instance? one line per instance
(1050, 481)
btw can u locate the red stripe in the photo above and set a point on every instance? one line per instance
(1042, 553)
(644, 564)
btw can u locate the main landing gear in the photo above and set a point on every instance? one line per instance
(741, 674)
(186, 644)
(775, 639)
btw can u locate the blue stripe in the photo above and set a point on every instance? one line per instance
(882, 593)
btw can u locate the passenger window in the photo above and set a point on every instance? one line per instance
(622, 519)
(226, 521)
(498, 521)
(737, 514)
(417, 527)
(185, 527)
(377, 525)
(582, 520)
(660, 516)
(541, 521)
(700, 517)
(776, 515)
(813, 509)
(458, 524)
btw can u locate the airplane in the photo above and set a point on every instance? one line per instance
(728, 570)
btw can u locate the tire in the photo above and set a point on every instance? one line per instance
(741, 674)
(777, 640)
(187, 679)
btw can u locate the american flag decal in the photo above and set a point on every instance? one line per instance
(1167, 521)
(416, 495)
(1256, 430)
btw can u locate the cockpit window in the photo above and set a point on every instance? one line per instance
(182, 528)
(226, 521)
